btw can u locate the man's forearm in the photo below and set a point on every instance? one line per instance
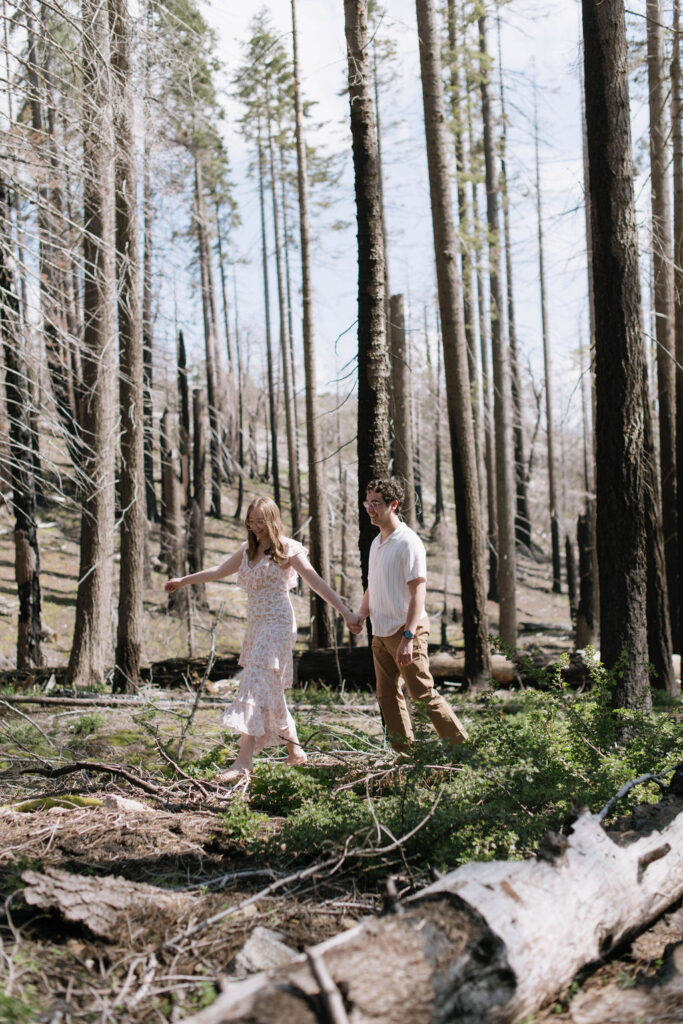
(416, 607)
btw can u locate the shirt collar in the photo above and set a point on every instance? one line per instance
(399, 529)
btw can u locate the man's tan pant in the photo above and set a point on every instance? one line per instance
(420, 685)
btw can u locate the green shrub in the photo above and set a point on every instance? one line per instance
(88, 724)
(240, 823)
(317, 826)
(14, 1010)
(495, 796)
(278, 790)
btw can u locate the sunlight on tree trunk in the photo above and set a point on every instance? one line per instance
(620, 368)
(400, 386)
(92, 635)
(373, 378)
(26, 553)
(545, 330)
(465, 479)
(131, 476)
(210, 349)
(322, 631)
(505, 489)
(677, 161)
(662, 268)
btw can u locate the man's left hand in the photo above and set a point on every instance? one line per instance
(404, 652)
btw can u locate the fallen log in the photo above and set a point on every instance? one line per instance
(486, 944)
(355, 667)
(110, 906)
(168, 674)
(105, 702)
(447, 665)
(351, 665)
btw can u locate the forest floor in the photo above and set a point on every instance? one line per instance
(137, 801)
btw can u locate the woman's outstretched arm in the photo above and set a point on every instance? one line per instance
(318, 584)
(362, 613)
(226, 568)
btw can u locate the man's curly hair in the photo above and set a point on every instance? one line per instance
(390, 488)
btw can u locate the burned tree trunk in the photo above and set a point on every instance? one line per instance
(677, 165)
(523, 517)
(272, 409)
(172, 519)
(241, 448)
(196, 517)
(92, 634)
(400, 387)
(465, 477)
(59, 328)
(505, 488)
(184, 431)
(321, 633)
(26, 553)
(285, 345)
(570, 562)
(550, 431)
(373, 378)
(465, 229)
(585, 613)
(487, 422)
(132, 479)
(663, 272)
(620, 369)
(210, 348)
(659, 646)
(147, 316)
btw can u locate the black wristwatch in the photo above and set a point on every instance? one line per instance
(408, 634)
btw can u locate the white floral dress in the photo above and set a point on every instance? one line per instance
(259, 709)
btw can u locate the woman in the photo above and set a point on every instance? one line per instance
(267, 566)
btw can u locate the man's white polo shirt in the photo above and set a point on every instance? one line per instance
(393, 563)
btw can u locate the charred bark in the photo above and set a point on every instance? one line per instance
(585, 613)
(272, 408)
(132, 481)
(285, 347)
(196, 516)
(373, 382)
(465, 478)
(400, 387)
(172, 519)
(322, 632)
(620, 370)
(209, 342)
(90, 649)
(26, 552)
(663, 272)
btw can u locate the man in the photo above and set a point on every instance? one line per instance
(397, 585)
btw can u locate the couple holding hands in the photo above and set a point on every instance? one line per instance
(267, 566)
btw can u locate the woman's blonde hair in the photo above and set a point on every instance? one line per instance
(271, 515)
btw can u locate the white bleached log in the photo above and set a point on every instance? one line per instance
(487, 943)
